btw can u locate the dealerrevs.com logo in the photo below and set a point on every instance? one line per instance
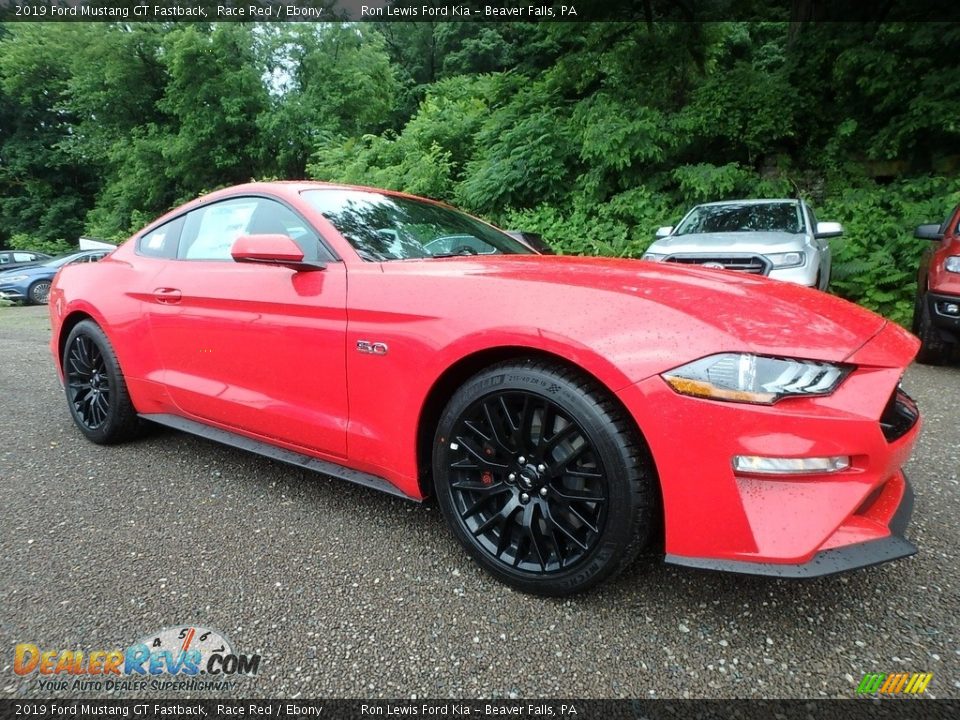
(175, 658)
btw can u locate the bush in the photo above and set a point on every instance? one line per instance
(22, 241)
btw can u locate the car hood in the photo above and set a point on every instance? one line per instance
(31, 269)
(721, 310)
(745, 242)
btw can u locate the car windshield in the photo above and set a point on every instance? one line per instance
(743, 217)
(385, 227)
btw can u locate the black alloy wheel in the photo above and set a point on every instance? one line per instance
(542, 478)
(96, 391)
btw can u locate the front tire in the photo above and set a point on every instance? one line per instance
(39, 292)
(542, 477)
(933, 349)
(96, 391)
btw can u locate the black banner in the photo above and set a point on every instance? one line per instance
(858, 709)
(476, 10)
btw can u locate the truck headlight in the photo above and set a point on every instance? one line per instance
(743, 377)
(787, 259)
(952, 264)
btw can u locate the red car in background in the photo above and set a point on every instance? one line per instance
(565, 411)
(936, 315)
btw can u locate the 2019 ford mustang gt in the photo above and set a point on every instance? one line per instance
(565, 411)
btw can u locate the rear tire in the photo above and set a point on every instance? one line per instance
(542, 477)
(96, 391)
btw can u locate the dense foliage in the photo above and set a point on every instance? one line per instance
(592, 134)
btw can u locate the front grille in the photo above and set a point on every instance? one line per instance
(898, 416)
(753, 264)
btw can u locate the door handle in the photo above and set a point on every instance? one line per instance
(167, 296)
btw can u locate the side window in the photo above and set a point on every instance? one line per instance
(4, 258)
(162, 241)
(813, 219)
(24, 257)
(209, 232)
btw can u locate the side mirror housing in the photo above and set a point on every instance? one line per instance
(928, 232)
(271, 250)
(828, 230)
(664, 231)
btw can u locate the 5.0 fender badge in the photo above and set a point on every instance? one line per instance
(372, 348)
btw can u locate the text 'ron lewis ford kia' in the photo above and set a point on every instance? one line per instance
(565, 411)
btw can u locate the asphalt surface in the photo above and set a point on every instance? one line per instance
(350, 593)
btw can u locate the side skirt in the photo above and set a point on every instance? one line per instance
(273, 452)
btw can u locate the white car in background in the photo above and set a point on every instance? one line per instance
(777, 238)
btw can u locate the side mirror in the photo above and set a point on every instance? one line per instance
(928, 232)
(828, 230)
(271, 250)
(664, 231)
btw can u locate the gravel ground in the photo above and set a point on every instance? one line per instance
(351, 593)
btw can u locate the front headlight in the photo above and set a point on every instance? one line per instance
(952, 264)
(15, 278)
(787, 259)
(742, 377)
(655, 257)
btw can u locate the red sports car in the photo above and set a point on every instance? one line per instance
(565, 411)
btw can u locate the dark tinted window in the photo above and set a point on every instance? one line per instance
(385, 227)
(162, 241)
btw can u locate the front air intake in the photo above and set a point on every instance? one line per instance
(898, 416)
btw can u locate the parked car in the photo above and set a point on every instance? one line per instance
(936, 313)
(10, 259)
(564, 410)
(32, 283)
(777, 238)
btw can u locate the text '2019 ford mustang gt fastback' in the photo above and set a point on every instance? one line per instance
(565, 411)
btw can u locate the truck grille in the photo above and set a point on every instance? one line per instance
(898, 416)
(753, 264)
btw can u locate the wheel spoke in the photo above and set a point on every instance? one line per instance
(577, 496)
(568, 533)
(569, 508)
(499, 432)
(559, 466)
(498, 519)
(479, 456)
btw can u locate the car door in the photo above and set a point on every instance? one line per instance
(253, 347)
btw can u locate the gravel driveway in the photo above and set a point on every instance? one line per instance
(351, 593)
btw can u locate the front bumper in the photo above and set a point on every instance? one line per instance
(786, 525)
(949, 325)
(832, 560)
(12, 293)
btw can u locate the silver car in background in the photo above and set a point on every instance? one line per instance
(777, 238)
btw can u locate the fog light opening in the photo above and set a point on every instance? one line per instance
(759, 465)
(951, 309)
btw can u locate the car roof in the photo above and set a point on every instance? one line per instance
(754, 201)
